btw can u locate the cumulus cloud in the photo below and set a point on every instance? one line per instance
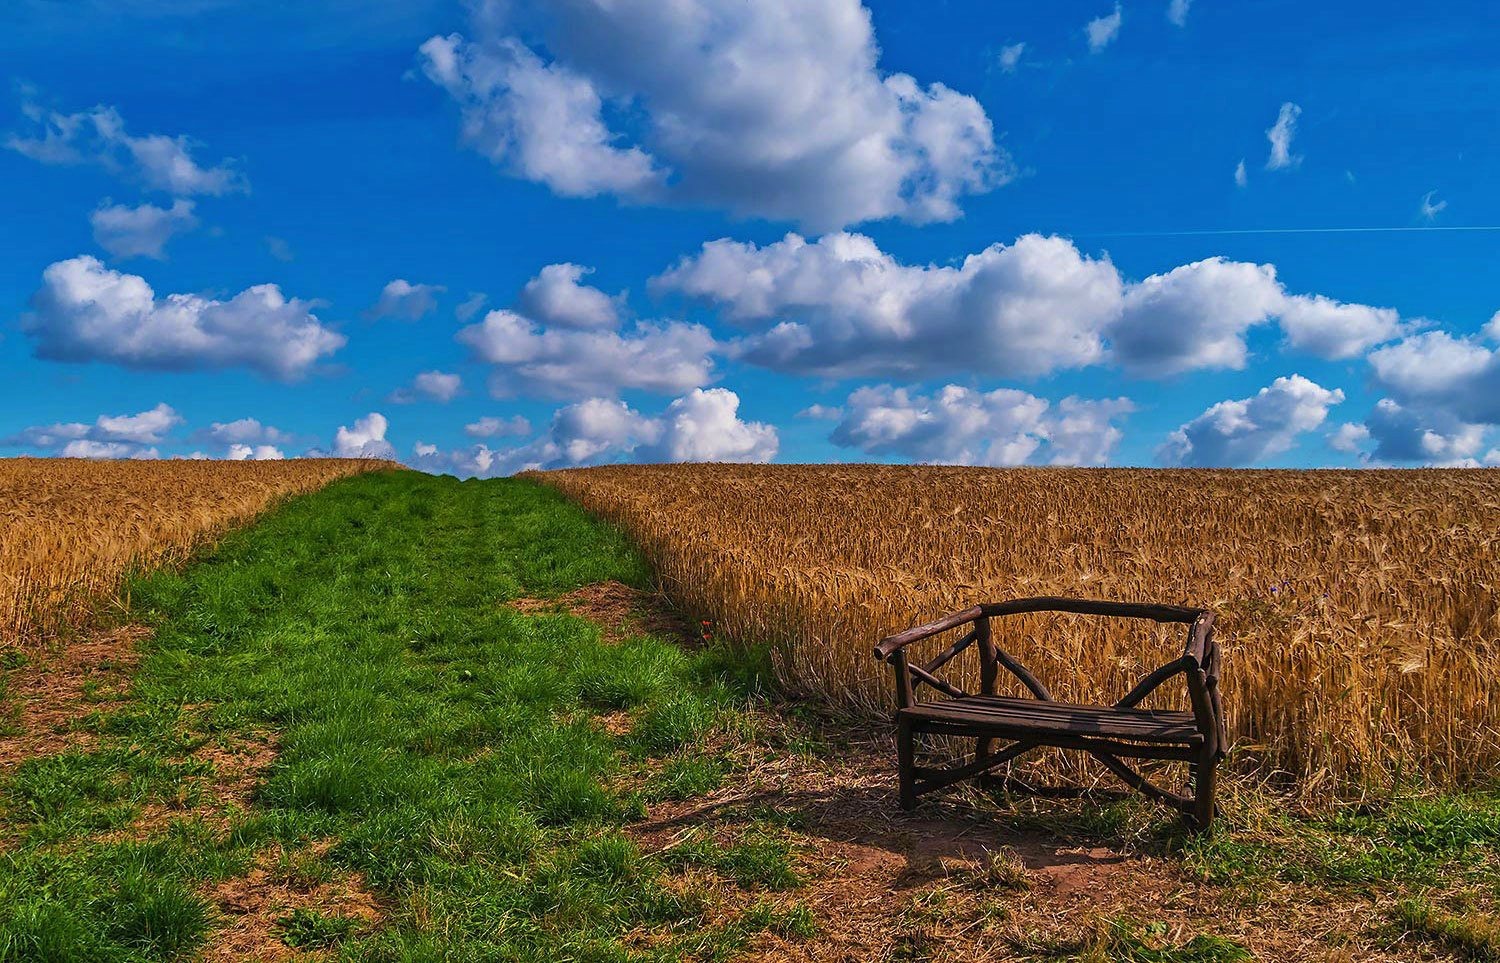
(1177, 11)
(961, 426)
(1348, 437)
(555, 297)
(1426, 435)
(142, 231)
(87, 312)
(436, 386)
(1194, 316)
(1280, 135)
(404, 300)
(840, 307)
(1240, 177)
(703, 425)
(365, 439)
(1335, 330)
(492, 427)
(814, 133)
(109, 436)
(1243, 432)
(1011, 310)
(254, 453)
(1010, 56)
(1436, 370)
(98, 137)
(244, 431)
(1101, 31)
(587, 350)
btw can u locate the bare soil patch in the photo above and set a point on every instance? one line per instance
(960, 879)
(44, 699)
(619, 610)
(256, 905)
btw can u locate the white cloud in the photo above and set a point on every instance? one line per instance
(555, 297)
(1243, 432)
(772, 109)
(492, 427)
(1435, 370)
(437, 386)
(1177, 11)
(87, 448)
(961, 426)
(244, 431)
(366, 439)
(703, 425)
(254, 453)
(1348, 438)
(1010, 56)
(528, 358)
(1335, 330)
(541, 121)
(1194, 316)
(840, 307)
(404, 300)
(1280, 135)
(110, 436)
(143, 231)
(98, 136)
(1240, 177)
(1429, 210)
(1492, 327)
(1101, 31)
(471, 306)
(1023, 309)
(87, 312)
(822, 412)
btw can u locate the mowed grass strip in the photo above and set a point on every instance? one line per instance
(433, 746)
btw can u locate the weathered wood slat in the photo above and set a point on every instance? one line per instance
(1032, 715)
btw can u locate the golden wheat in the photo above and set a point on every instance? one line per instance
(69, 529)
(1358, 608)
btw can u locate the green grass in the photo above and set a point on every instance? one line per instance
(1465, 933)
(440, 740)
(1413, 840)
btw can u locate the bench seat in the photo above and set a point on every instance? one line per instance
(1012, 717)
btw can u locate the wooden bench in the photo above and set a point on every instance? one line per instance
(1108, 733)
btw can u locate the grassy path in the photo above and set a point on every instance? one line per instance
(435, 770)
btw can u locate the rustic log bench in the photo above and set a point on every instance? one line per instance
(1108, 733)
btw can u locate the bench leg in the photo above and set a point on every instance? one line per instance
(905, 764)
(1205, 780)
(981, 753)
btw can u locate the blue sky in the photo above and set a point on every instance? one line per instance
(971, 232)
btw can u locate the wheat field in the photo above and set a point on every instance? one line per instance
(1358, 609)
(70, 529)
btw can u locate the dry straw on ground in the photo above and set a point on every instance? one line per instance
(1360, 609)
(69, 529)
